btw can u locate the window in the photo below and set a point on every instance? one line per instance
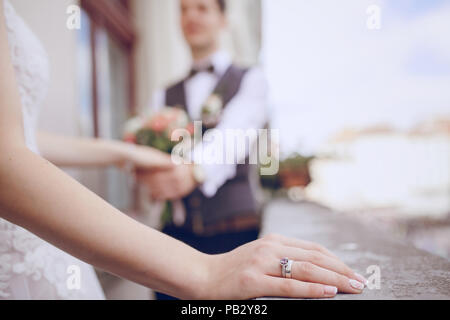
(106, 45)
(111, 42)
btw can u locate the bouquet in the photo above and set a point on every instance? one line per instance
(156, 132)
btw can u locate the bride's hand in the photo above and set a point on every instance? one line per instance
(254, 270)
(145, 158)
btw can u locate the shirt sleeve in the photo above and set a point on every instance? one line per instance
(157, 101)
(247, 110)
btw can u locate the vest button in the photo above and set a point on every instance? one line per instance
(197, 224)
(195, 202)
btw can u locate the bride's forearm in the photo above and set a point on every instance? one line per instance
(38, 196)
(81, 152)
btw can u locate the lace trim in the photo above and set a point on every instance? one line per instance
(31, 65)
(22, 254)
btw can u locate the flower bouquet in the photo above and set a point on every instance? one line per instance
(156, 132)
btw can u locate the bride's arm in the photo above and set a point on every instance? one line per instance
(38, 196)
(89, 152)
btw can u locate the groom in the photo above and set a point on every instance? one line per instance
(220, 211)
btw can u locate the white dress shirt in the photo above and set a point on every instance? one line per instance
(247, 110)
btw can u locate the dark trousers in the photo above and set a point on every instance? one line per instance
(216, 244)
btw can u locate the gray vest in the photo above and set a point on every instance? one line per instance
(236, 197)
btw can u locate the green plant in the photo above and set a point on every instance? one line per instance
(295, 161)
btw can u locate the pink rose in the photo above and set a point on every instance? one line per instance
(158, 124)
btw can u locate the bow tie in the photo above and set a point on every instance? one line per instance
(194, 71)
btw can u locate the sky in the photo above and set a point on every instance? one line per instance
(327, 71)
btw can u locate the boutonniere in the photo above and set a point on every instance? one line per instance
(212, 111)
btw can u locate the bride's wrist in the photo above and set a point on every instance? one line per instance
(208, 285)
(120, 152)
(197, 279)
(199, 283)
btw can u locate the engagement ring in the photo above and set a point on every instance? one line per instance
(286, 268)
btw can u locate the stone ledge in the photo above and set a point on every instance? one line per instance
(406, 272)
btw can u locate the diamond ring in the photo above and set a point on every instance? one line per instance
(286, 268)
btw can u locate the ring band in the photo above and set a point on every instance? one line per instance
(286, 268)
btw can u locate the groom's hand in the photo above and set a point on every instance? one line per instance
(169, 184)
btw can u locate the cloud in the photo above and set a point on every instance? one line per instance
(327, 71)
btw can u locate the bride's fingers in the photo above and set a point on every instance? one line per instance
(308, 272)
(320, 260)
(297, 243)
(290, 288)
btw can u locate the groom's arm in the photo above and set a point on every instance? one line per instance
(248, 110)
(157, 101)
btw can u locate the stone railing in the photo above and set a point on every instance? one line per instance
(403, 271)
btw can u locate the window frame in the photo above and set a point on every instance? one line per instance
(115, 17)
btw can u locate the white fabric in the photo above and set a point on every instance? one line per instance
(247, 110)
(31, 268)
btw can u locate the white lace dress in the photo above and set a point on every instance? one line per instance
(31, 268)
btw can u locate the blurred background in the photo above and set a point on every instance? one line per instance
(360, 91)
